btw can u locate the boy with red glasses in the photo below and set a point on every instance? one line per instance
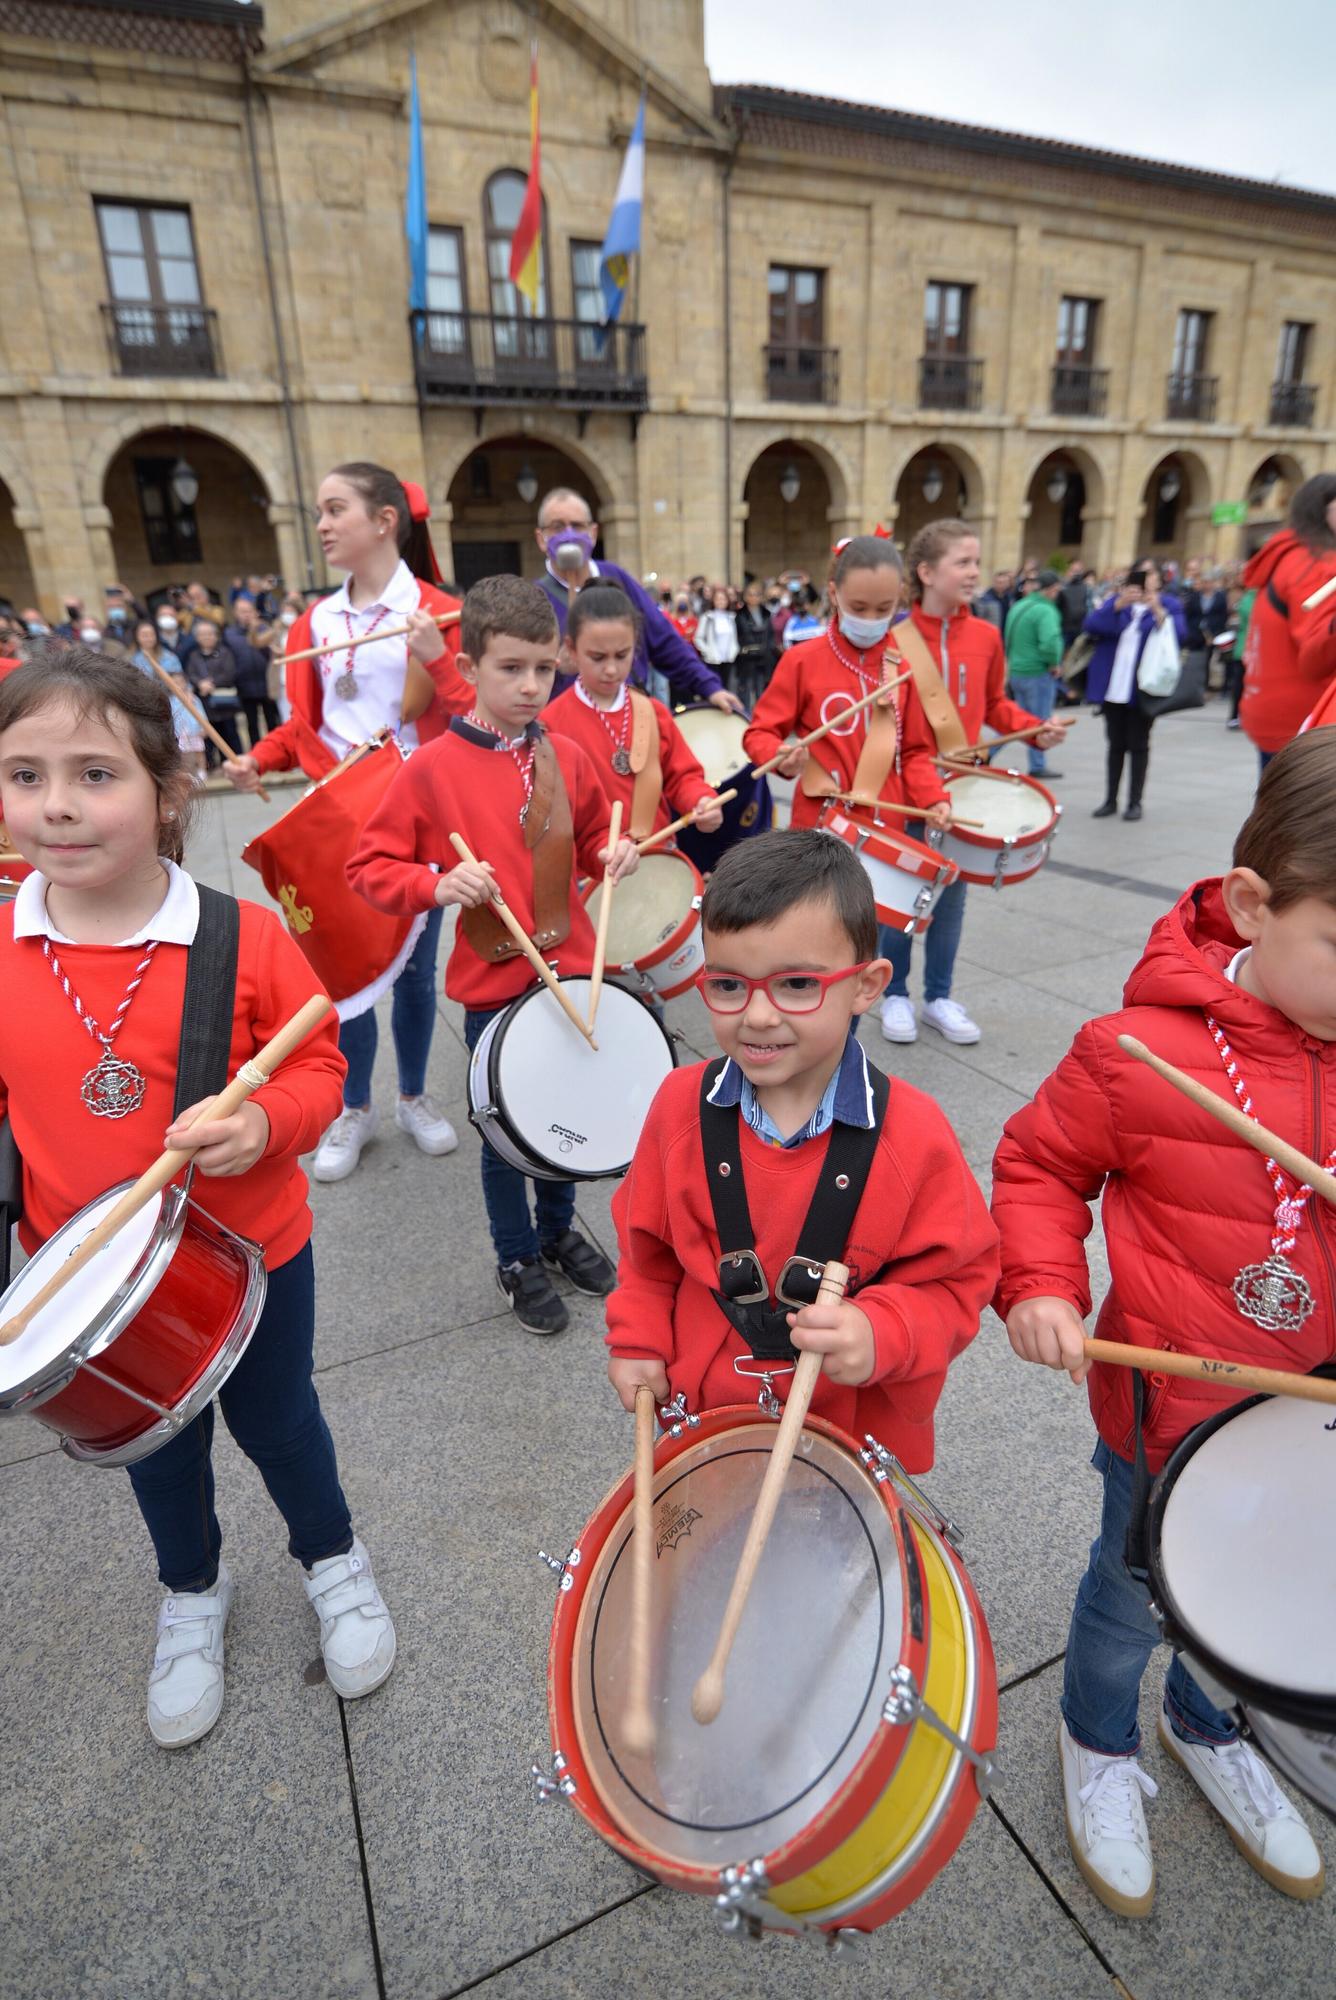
(756, 1169)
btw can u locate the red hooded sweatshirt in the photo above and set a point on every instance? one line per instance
(1289, 652)
(1185, 1205)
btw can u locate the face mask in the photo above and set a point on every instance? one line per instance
(570, 548)
(89, 634)
(168, 627)
(36, 629)
(288, 618)
(117, 616)
(863, 632)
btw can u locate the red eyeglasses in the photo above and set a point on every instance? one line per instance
(789, 992)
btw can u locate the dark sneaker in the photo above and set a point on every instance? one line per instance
(532, 1296)
(577, 1259)
(1106, 811)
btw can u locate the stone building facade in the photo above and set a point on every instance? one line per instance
(840, 315)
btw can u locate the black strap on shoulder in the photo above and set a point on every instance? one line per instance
(1275, 600)
(825, 1230)
(211, 988)
(1137, 1552)
(11, 1195)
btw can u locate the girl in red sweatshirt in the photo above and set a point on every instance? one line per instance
(94, 949)
(1237, 987)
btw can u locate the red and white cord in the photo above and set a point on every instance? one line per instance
(90, 1024)
(1289, 1210)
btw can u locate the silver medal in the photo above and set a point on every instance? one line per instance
(112, 1088)
(621, 763)
(1274, 1295)
(345, 687)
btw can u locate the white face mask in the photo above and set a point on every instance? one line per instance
(168, 627)
(89, 634)
(288, 618)
(863, 632)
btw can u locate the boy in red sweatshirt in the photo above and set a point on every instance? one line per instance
(496, 778)
(1238, 987)
(796, 1112)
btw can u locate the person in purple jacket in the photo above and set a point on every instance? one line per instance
(1122, 624)
(566, 534)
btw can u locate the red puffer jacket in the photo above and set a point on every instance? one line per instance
(1185, 1205)
(1289, 652)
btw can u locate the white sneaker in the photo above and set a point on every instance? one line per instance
(356, 1630)
(1258, 1817)
(185, 1686)
(1106, 1825)
(428, 1124)
(950, 1019)
(898, 1020)
(341, 1148)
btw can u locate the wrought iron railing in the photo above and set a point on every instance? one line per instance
(485, 358)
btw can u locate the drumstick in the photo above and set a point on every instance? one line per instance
(219, 742)
(1321, 594)
(347, 645)
(638, 1725)
(604, 915)
(814, 735)
(888, 806)
(168, 1164)
(687, 819)
(527, 946)
(708, 1697)
(1209, 1368)
(1016, 736)
(1238, 1121)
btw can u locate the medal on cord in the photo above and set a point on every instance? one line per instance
(1272, 1294)
(621, 740)
(113, 1087)
(523, 762)
(346, 686)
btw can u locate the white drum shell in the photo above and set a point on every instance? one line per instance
(1019, 819)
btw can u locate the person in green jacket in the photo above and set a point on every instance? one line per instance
(1239, 618)
(1033, 640)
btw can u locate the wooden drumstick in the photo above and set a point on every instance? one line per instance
(708, 1697)
(1208, 1368)
(347, 645)
(996, 742)
(815, 735)
(1321, 594)
(604, 915)
(870, 804)
(527, 945)
(187, 702)
(166, 1167)
(638, 1724)
(687, 819)
(1239, 1123)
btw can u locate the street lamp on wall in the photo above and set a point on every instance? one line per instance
(1170, 486)
(932, 485)
(790, 485)
(527, 484)
(1056, 488)
(185, 483)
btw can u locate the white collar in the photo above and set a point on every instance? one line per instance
(1232, 969)
(589, 701)
(401, 593)
(175, 920)
(557, 576)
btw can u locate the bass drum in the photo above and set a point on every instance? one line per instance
(715, 741)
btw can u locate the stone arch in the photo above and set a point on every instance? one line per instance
(1267, 493)
(606, 487)
(838, 473)
(787, 529)
(154, 540)
(1069, 522)
(963, 487)
(1174, 524)
(17, 584)
(492, 524)
(240, 437)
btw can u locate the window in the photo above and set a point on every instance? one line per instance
(150, 254)
(1076, 332)
(502, 202)
(587, 293)
(447, 299)
(1190, 341)
(1292, 361)
(171, 530)
(946, 318)
(797, 307)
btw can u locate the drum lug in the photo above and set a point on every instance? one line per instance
(1000, 864)
(555, 1782)
(905, 1704)
(744, 1912)
(884, 1465)
(673, 1416)
(562, 1566)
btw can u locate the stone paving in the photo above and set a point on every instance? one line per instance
(312, 1851)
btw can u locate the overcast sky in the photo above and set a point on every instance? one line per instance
(1238, 85)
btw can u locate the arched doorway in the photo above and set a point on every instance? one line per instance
(494, 499)
(1064, 487)
(939, 483)
(17, 589)
(186, 505)
(1175, 507)
(1267, 496)
(789, 503)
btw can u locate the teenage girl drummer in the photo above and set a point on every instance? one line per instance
(96, 795)
(374, 526)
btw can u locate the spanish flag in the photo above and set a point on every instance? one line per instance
(526, 245)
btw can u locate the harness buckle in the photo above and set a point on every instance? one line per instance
(767, 1401)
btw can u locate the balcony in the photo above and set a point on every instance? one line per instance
(950, 382)
(1079, 392)
(1293, 404)
(487, 361)
(802, 374)
(1190, 399)
(163, 340)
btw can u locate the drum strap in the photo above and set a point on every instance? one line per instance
(825, 1230)
(646, 764)
(549, 838)
(211, 988)
(11, 1195)
(874, 759)
(1137, 1551)
(942, 713)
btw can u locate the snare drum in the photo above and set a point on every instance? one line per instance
(137, 1342)
(1020, 817)
(552, 1106)
(1243, 1574)
(861, 1701)
(906, 875)
(714, 738)
(654, 924)
(356, 952)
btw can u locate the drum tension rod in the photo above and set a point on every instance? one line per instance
(124, 1389)
(673, 1416)
(743, 1912)
(904, 1704)
(884, 1465)
(556, 1782)
(562, 1566)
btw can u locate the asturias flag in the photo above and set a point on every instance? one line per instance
(526, 245)
(623, 238)
(415, 201)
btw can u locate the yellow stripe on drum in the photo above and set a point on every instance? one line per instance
(916, 1786)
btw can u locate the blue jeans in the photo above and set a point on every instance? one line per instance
(943, 943)
(270, 1406)
(506, 1190)
(412, 1018)
(1113, 1635)
(1038, 693)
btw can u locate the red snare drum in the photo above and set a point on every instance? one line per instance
(137, 1342)
(907, 877)
(654, 924)
(356, 952)
(1018, 816)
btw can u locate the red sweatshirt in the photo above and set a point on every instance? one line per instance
(811, 684)
(968, 651)
(1289, 652)
(298, 742)
(921, 1210)
(684, 782)
(70, 1157)
(454, 786)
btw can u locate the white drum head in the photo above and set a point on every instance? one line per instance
(715, 741)
(647, 908)
(1008, 811)
(1246, 1548)
(568, 1104)
(59, 1325)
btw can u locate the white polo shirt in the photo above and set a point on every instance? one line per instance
(381, 667)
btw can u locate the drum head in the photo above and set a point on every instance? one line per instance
(1307, 1757)
(560, 1098)
(1243, 1557)
(1008, 811)
(65, 1324)
(715, 741)
(648, 908)
(808, 1673)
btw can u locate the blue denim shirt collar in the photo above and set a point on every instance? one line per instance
(848, 1097)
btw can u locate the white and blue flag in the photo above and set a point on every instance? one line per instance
(623, 236)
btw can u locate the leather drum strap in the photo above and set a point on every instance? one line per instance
(881, 736)
(942, 713)
(549, 838)
(646, 764)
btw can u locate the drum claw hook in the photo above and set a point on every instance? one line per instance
(674, 1418)
(556, 1782)
(561, 1566)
